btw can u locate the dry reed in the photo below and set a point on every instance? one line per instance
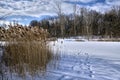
(22, 57)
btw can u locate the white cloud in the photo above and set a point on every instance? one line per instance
(100, 7)
(103, 7)
(37, 8)
(113, 2)
(4, 22)
(29, 8)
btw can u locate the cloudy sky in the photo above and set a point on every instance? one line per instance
(26, 10)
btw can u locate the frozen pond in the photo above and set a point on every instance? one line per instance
(93, 48)
(72, 60)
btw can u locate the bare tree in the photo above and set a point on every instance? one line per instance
(58, 9)
(74, 14)
(87, 22)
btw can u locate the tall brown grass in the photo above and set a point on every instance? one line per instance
(22, 57)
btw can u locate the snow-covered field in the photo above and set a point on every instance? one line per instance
(81, 60)
(103, 57)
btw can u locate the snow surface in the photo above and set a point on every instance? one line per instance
(103, 57)
(81, 60)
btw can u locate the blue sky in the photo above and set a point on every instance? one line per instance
(26, 10)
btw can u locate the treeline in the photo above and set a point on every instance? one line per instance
(84, 22)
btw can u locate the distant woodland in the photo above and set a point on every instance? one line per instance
(84, 22)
